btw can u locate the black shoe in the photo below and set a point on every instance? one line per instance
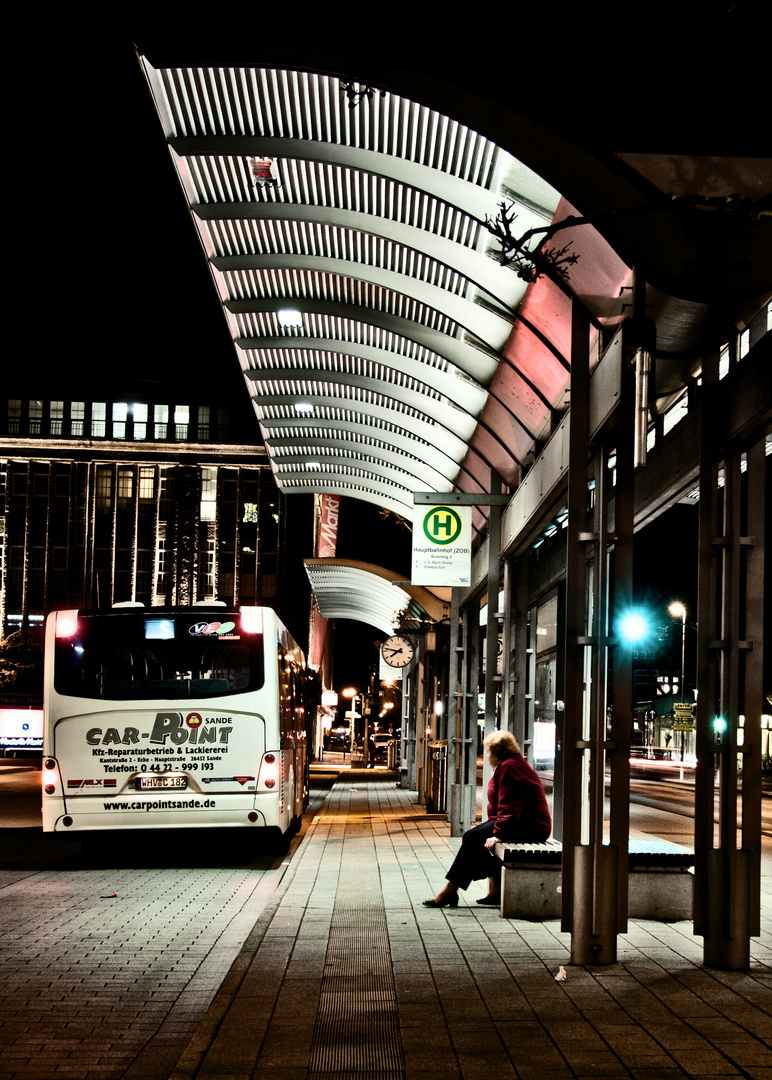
(494, 900)
(449, 901)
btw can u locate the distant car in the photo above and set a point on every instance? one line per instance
(382, 746)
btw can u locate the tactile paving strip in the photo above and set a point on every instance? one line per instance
(357, 1028)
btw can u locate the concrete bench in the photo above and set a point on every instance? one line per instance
(660, 880)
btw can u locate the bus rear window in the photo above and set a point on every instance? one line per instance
(136, 657)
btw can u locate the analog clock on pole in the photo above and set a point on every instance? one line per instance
(397, 651)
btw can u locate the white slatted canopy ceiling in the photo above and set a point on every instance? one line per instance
(373, 235)
(350, 589)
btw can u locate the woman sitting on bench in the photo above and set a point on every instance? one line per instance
(517, 813)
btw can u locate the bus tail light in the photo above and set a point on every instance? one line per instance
(50, 776)
(269, 772)
(66, 623)
(252, 620)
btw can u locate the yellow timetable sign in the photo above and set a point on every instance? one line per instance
(684, 717)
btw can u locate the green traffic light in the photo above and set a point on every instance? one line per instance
(634, 627)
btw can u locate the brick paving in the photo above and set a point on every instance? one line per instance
(218, 972)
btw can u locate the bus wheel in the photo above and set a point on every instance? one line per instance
(276, 842)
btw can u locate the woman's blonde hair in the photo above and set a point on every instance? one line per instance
(503, 744)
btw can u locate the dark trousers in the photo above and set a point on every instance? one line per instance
(473, 860)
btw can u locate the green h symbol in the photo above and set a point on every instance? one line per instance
(445, 523)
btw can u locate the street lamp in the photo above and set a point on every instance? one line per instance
(678, 611)
(352, 693)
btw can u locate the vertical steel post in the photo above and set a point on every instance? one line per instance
(463, 794)
(454, 702)
(574, 795)
(492, 683)
(730, 691)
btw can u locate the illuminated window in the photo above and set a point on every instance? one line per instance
(35, 417)
(98, 419)
(250, 513)
(675, 413)
(77, 417)
(745, 342)
(56, 415)
(162, 569)
(146, 482)
(125, 488)
(161, 421)
(139, 413)
(120, 412)
(723, 363)
(206, 575)
(104, 491)
(181, 421)
(209, 494)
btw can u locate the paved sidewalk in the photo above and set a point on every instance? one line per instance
(467, 994)
(331, 967)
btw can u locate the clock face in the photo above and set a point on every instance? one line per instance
(398, 651)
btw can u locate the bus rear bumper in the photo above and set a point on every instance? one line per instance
(194, 813)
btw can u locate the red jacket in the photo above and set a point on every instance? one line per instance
(517, 804)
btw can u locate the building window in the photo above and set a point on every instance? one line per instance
(250, 513)
(209, 494)
(35, 417)
(162, 569)
(166, 483)
(59, 569)
(203, 423)
(104, 491)
(223, 424)
(161, 421)
(120, 412)
(16, 566)
(14, 416)
(77, 417)
(206, 571)
(56, 415)
(139, 413)
(146, 483)
(125, 488)
(98, 419)
(144, 571)
(181, 422)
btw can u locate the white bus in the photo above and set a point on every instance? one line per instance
(178, 718)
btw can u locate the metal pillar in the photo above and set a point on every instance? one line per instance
(508, 672)
(519, 726)
(598, 690)
(455, 705)
(730, 692)
(492, 680)
(463, 794)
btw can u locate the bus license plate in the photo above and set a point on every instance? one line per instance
(153, 783)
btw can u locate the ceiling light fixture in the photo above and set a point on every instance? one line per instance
(289, 317)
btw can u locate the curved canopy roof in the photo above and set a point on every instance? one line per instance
(348, 230)
(357, 276)
(349, 589)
